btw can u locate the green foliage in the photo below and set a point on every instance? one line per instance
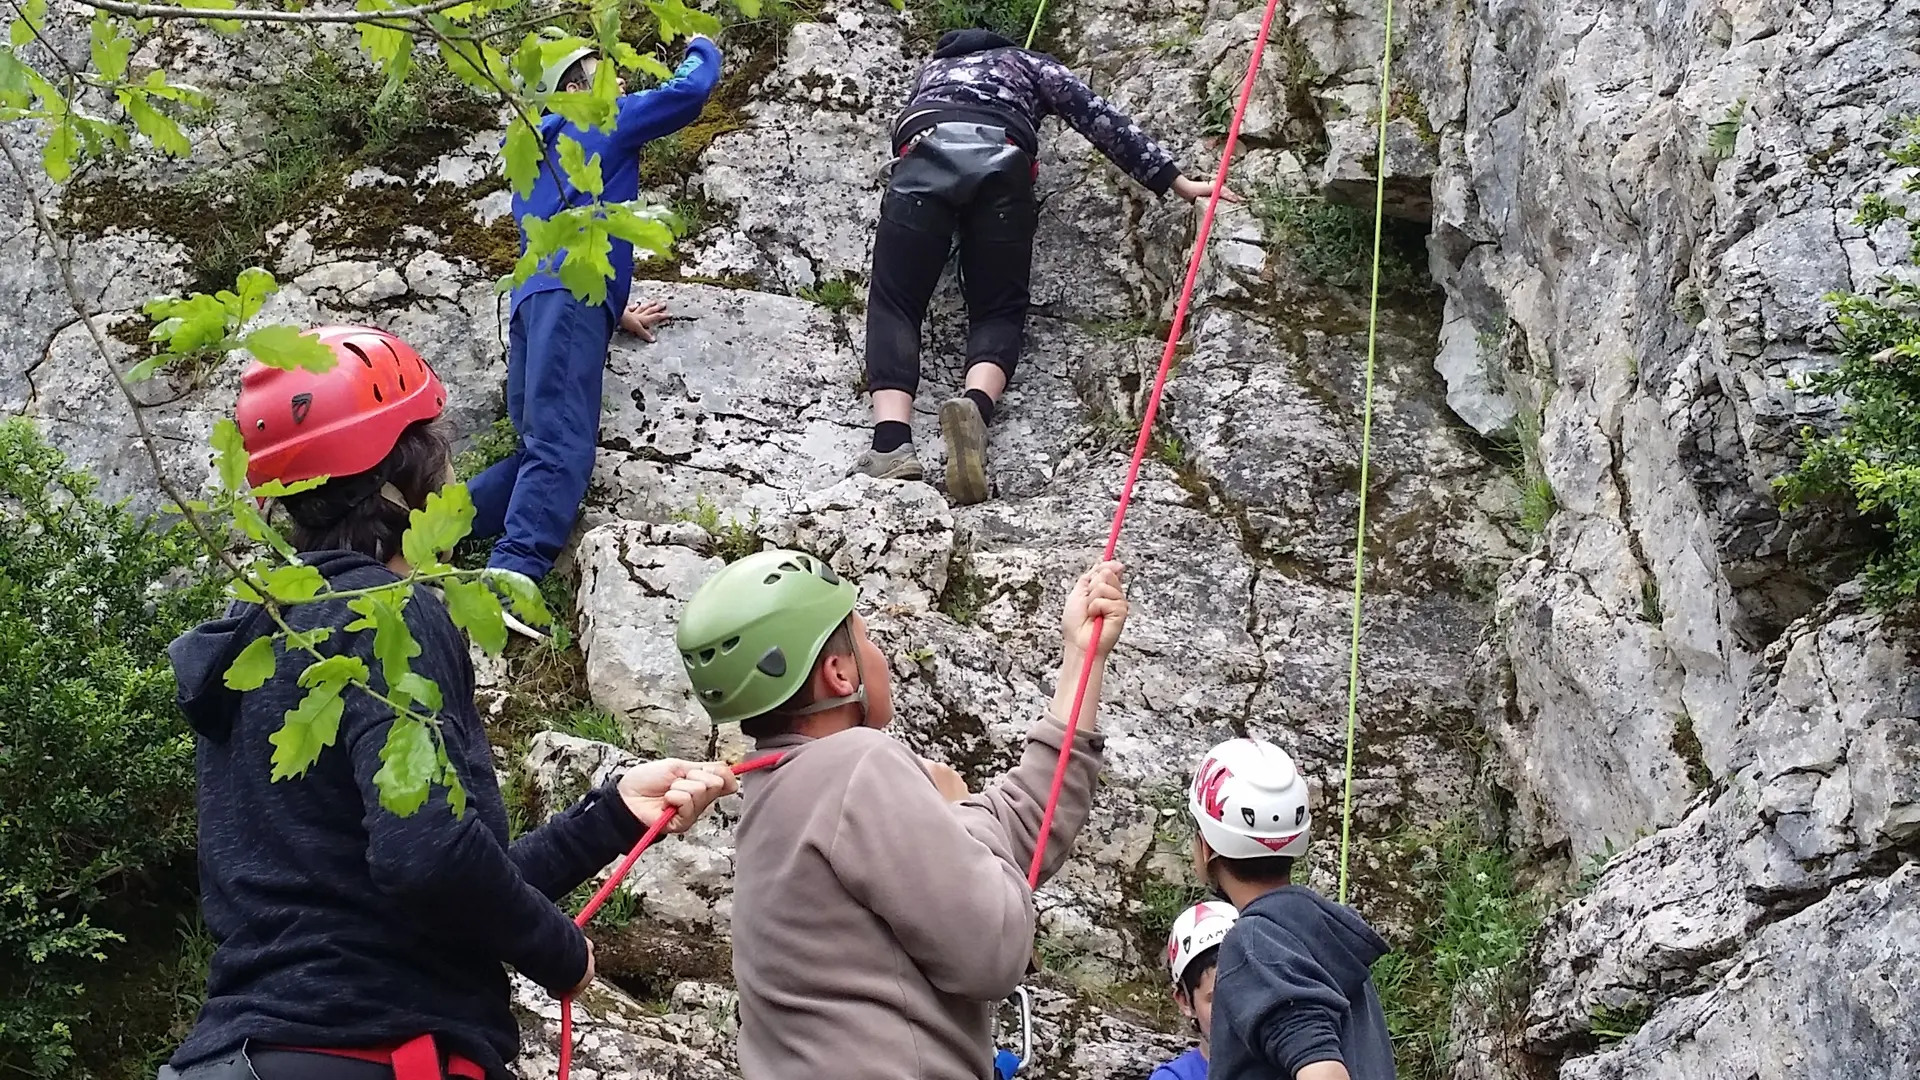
(1161, 902)
(1650, 601)
(1537, 501)
(1477, 923)
(838, 294)
(96, 770)
(733, 539)
(965, 593)
(322, 121)
(495, 444)
(1723, 135)
(598, 725)
(1333, 242)
(1610, 1024)
(1216, 115)
(1008, 18)
(1872, 461)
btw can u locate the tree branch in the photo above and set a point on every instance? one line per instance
(209, 14)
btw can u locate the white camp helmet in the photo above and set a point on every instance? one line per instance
(1199, 928)
(1250, 801)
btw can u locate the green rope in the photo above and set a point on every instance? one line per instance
(1366, 451)
(1038, 14)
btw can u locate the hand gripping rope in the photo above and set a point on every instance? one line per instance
(613, 882)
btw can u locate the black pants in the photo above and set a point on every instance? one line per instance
(965, 178)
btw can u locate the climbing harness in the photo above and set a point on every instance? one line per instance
(613, 882)
(1366, 450)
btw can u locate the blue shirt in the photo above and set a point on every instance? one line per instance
(640, 118)
(1191, 1065)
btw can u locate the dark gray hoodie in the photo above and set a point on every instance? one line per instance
(340, 924)
(1294, 987)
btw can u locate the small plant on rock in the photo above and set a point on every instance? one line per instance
(1723, 135)
(494, 444)
(1872, 460)
(1333, 242)
(593, 724)
(836, 295)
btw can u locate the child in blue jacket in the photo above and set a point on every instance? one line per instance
(557, 345)
(1193, 948)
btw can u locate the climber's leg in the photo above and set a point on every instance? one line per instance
(566, 353)
(909, 252)
(996, 264)
(492, 490)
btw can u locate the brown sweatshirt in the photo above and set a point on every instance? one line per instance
(877, 926)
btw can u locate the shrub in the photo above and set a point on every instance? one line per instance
(1008, 18)
(1476, 927)
(96, 770)
(1333, 242)
(1873, 459)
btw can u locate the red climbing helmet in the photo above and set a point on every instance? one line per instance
(297, 424)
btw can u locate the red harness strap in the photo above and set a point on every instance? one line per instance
(416, 1059)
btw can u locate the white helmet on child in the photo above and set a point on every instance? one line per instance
(1199, 928)
(1250, 801)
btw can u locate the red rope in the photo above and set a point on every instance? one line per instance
(613, 882)
(1146, 424)
(1113, 540)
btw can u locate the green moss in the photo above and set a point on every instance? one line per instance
(1685, 743)
(965, 593)
(377, 217)
(495, 444)
(324, 121)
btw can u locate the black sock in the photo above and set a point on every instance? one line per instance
(891, 435)
(982, 402)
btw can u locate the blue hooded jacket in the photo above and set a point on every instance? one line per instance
(1294, 987)
(641, 118)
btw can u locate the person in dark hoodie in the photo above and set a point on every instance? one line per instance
(1293, 994)
(352, 943)
(965, 160)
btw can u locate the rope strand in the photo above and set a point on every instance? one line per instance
(613, 881)
(1146, 422)
(1366, 452)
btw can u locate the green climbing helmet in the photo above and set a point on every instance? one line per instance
(751, 634)
(551, 72)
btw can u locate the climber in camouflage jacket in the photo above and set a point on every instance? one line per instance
(965, 152)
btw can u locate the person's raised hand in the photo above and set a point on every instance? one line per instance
(1099, 594)
(682, 788)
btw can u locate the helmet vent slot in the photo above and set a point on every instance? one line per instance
(827, 575)
(771, 579)
(359, 352)
(403, 382)
(773, 664)
(706, 656)
(377, 396)
(728, 645)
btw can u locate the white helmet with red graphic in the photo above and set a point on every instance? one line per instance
(1199, 928)
(1250, 801)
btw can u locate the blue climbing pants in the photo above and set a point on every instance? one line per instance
(556, 354)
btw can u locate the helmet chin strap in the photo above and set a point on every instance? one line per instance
(858, 697)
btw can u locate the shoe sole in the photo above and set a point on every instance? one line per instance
(966, 437)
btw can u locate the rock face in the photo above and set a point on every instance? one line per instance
(1634, 209)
